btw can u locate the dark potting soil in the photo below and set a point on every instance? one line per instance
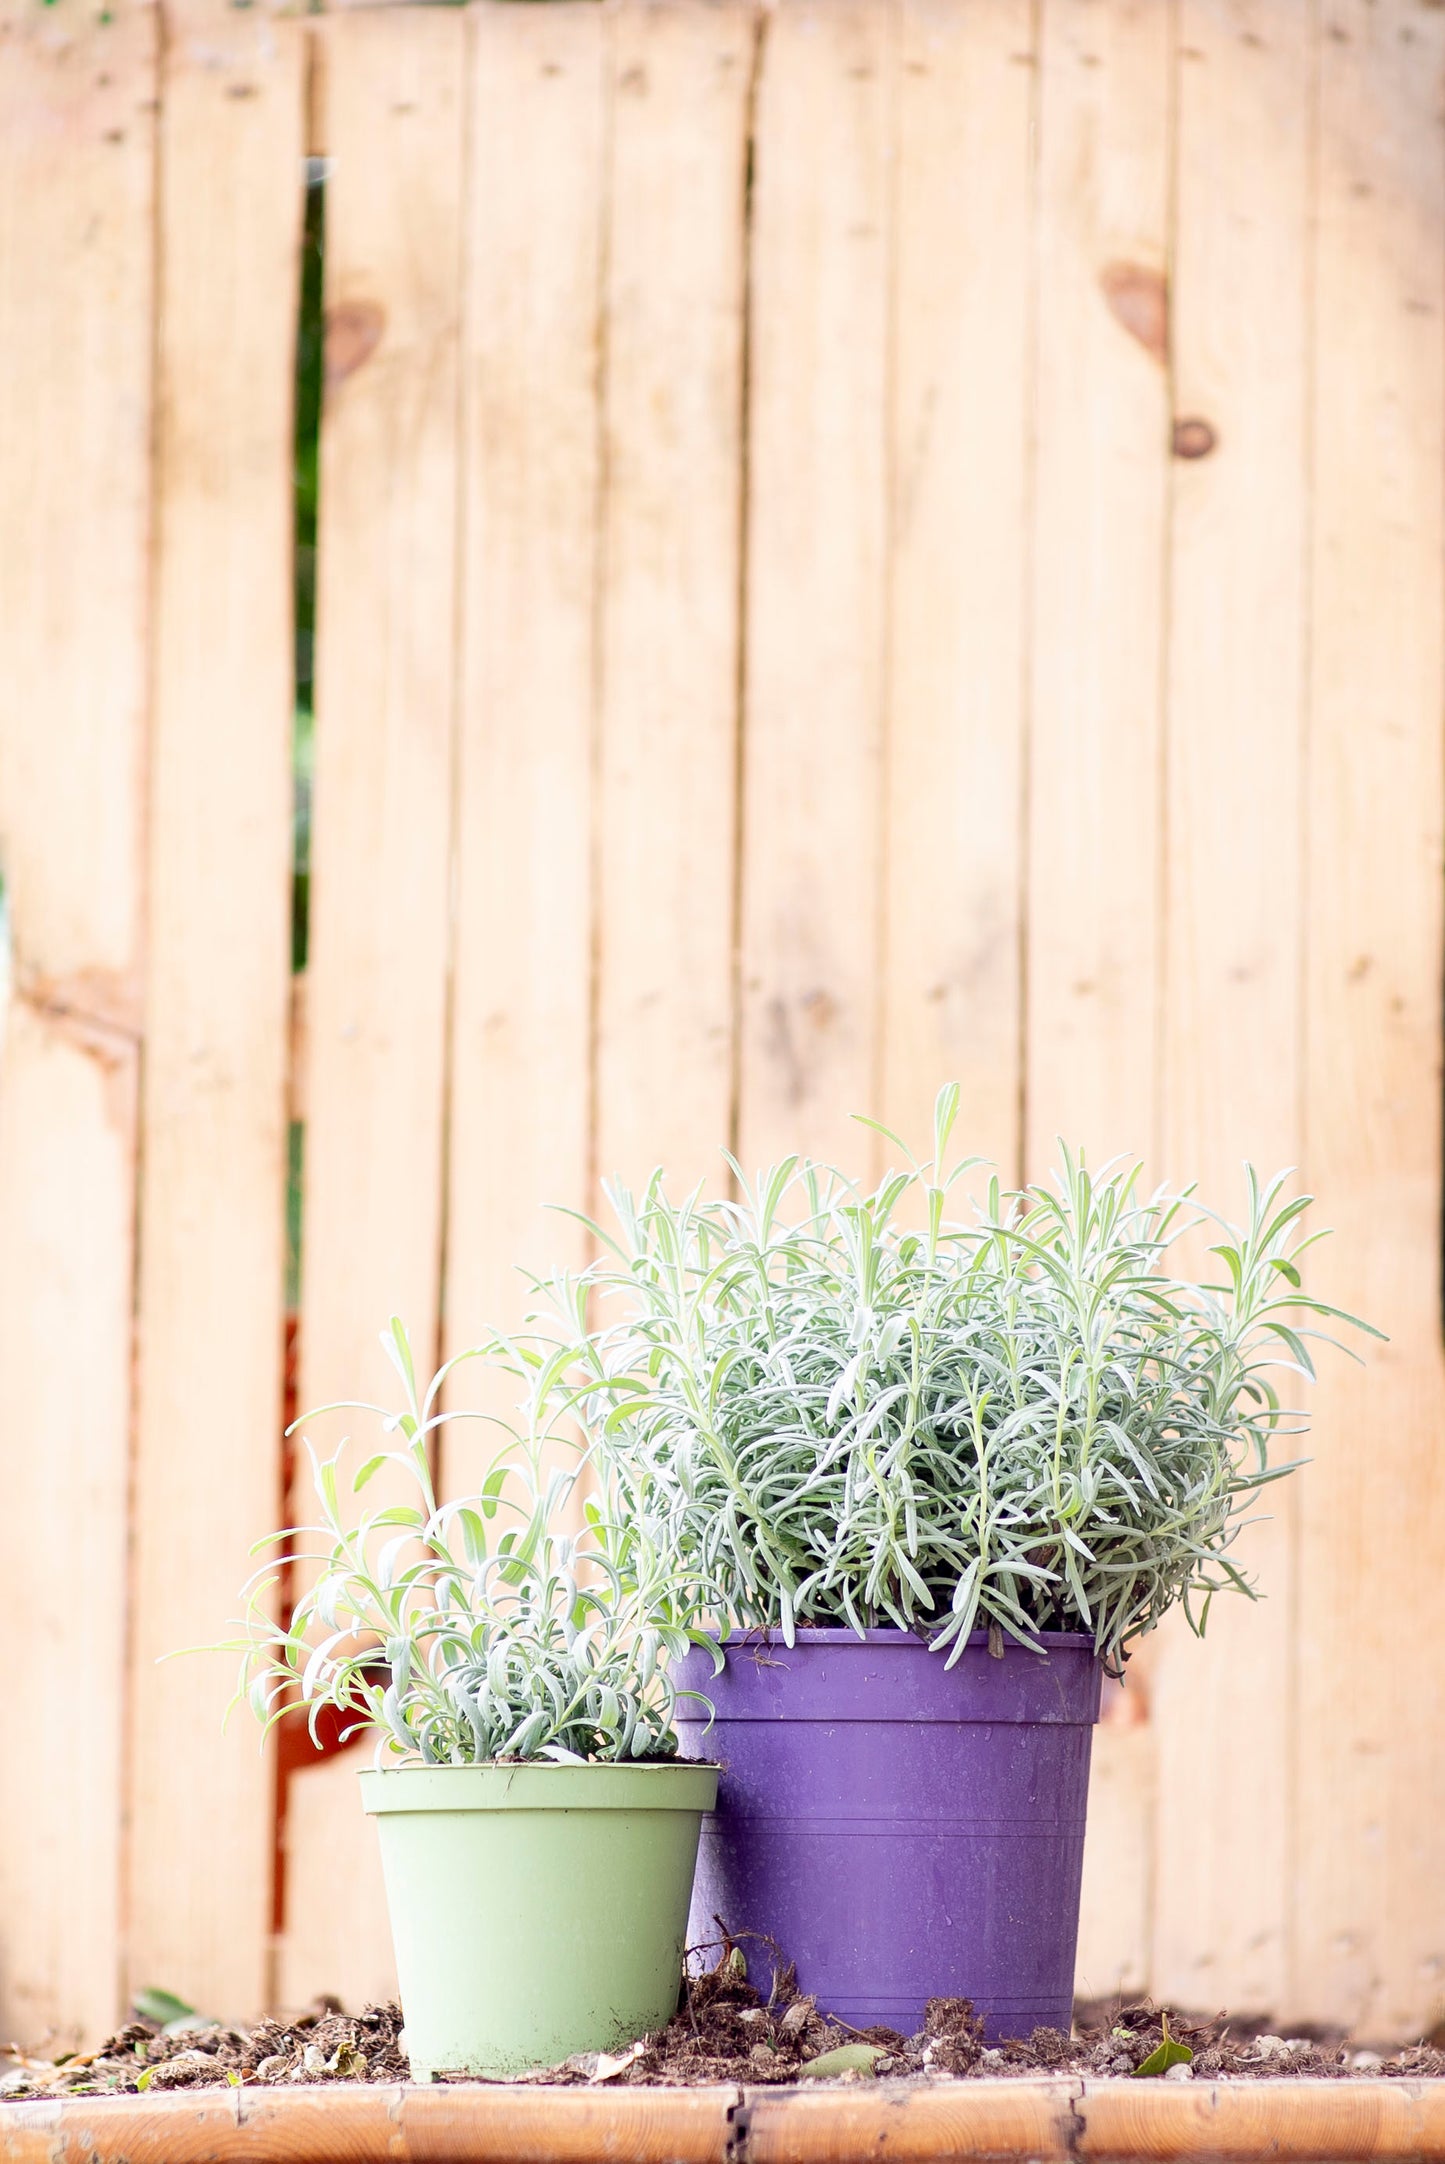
(725, 2031)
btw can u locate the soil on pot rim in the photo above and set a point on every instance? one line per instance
(724, 2032)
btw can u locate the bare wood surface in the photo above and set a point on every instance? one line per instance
(1054, 2122)
(913, 2126)
(77, 144)
(951, 977)
(818, 525)
(1239, 2122)
(521, 1057)
(1101, 420)
(1096, 728)
(1230, 1083)
(1115, 1945)
(1369, 1855)
(218, 983)
(675, 2127)
(381, 832)
(385, 688)
(355, 2124)
(666, 829)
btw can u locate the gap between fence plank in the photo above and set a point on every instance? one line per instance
(393, 90)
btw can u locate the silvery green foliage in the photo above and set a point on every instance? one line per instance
(478, 1629)
(838, 1407)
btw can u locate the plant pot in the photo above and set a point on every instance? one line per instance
(903, 1830)
(536, 1910)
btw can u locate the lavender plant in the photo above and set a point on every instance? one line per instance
(478, 1629)
(830, 1406)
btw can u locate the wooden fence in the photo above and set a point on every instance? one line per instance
(862, 542)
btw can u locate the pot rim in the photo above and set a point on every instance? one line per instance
(831, 1634)
(682, 1784)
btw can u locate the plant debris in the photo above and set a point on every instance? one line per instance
(191, 2052)
(726, 2031)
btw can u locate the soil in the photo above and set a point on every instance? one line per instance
(725, 2032)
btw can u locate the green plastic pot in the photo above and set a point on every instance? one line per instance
(536, 1910)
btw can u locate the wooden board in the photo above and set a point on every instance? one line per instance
(337, 1935)
(817, 556)
(1368, 1838)
(391, 118)
(214, 1113)
(521, 1131)
(1096, 658)
(1053, 2122)
(1116, 1905)
(957, 678)
(1230, 1048)
(1102, 421)
(386, 696)
(666, 830)
(76, 221)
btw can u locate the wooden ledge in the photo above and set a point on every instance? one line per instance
(1098, 2122)
(1047, 2122)
(1238, 2120)
(373, 2123)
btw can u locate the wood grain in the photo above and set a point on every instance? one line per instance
(958, 569)
(1116, 1911)
(213, 1184)
(77, 147)
(521, 1118)
(1306, 2122)
(336, 1934)
(1102, 422)
(1222, 1708)
(816, 584)
(1024, 2119)
(381, 827)
(1332, 2122)
(1093, 890)
(666, 831)
(386, 695)
(1369, 1855)
(357, 2124)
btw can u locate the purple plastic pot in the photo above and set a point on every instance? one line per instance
(903, 1830)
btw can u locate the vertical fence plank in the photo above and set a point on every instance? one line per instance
(1116, 1902)
(1222, 1710)
(952, 848)
(1097, 631)
(1101, 433)
(666, 821)
(76, 221)
(818, 526)
(214, 1109)
(381, 823)
(1369, 1837)
(520, 1112)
